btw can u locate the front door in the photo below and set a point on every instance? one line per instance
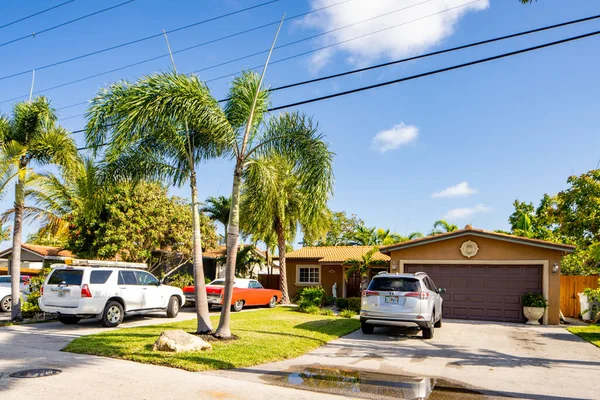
(353, 285)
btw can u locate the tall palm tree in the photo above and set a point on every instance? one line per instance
(246, 259)
(443, 226)
(364, 236)
(276, 197)
(4, 233)
(31, 137)
(363, 265)
(217, 209)
(160, 128)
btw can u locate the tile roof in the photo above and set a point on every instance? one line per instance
(221, 250)
(43, 251)
(334, 254)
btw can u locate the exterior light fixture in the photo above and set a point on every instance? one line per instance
(555, 268)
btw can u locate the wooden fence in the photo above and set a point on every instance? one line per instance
(570, 285)
(269, 281)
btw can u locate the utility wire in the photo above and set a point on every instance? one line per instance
(417, 76)
(135, 41)
(34, 34)
(176, 52)
(35, 14)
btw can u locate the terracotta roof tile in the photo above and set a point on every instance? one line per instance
(47, 251)
(334, 254)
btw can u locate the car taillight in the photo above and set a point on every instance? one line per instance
(85, 291)
(370, 293)
(42, 290)
(418, 295)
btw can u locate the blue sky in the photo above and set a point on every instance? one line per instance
(462, 145)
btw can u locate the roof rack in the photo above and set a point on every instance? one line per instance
(100, 263)
(420, 273)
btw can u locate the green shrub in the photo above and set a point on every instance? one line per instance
(347, 313)
(327, 311)
(330, 301)
(533, 300)
(311, 296)
(341, 303)
(354, 304)
(180, 280)
(30, 307)
(314, 310)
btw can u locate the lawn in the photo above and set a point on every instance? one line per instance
(591, 333)
(264, 336)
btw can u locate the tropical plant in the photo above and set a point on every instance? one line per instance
(443, 226)
(311, 297)
(337, 230)
(363, 264)
(161, 127)
(4, 233)
(533, 300)
(364, 236)
(217, 209)
(31, 137)
(347, 313)
(245, 261)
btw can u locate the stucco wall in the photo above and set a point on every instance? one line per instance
(327, 278)
(489, 250)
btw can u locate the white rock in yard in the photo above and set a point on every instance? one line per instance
(179, 340)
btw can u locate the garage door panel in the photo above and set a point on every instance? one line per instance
(484, 292)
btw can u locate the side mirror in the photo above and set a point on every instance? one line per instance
(441, 290)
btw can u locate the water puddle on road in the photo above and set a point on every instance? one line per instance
(369, 384)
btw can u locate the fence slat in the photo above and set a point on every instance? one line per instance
(269, 281)
(570, 285)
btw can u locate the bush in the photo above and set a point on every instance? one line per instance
(533, 300)
(206, 281)
(311, 297)
(354, 304)
(330, 301)
(327, 311)
(347, 313)
(31, 307)
(311, 310)
(341, 303)
(180, 280)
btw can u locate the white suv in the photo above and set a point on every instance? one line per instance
(402, 300)
(106, 293)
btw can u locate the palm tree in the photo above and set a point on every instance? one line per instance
(442, 226)
(217, 209)
(364, 236)
(276, 197)
(160, 128)
(4, 233)
(246, 259)
(31, 137)
(363, 265)
(414, 235)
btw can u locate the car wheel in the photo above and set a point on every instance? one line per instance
(428, 332)
(6, 304)
(273, 302)
(438, 324)
(173, 307)
(367, 329)
(69, 320)
(113, 314)
(237, 306)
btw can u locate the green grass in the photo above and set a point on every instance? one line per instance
(264, 336)
(591, 333)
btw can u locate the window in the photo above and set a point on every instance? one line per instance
(309, 275)
(430, 285)
(395, 284)
(99, 277)
(255, 285)
(146, 279)
(68, 276)
(4, 279)
(127, 278)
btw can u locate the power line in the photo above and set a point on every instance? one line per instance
(417, 76)
(176, 52)
(135, 41)
(35, 14)
(34, 34)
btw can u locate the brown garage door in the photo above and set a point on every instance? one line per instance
(484, 292)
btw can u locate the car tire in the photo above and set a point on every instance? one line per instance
(237, 306)
(438, 324)
(173, 307)
(428, 332)
(273, 302)
(112, 315)
(6, 304)
(367, 329)
(69, 320)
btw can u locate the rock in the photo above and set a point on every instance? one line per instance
(179, 340)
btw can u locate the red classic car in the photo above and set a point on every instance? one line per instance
(246, 292)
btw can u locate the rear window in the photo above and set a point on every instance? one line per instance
(218, 282)
(68, 276)
(99, 277)
(395, 284)
(4, 279)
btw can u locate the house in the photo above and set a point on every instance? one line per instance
(314, 266)
(485, 273)
(33, 258)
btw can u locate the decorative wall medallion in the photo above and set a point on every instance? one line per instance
(469, 249)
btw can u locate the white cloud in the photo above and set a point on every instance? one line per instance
(466, 212)
(435, 21)
(396, 137)
(461, 190)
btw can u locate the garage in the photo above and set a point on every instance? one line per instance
(485, 273)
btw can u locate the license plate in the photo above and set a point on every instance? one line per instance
(391, 299)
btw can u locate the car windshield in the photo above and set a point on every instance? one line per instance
(68, 276)
(218, 282)
(395, 284)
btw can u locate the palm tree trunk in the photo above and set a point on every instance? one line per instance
(285, 297)
(15, 265)
(233, 234)
(204, 324)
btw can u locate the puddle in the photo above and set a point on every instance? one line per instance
(369, 384)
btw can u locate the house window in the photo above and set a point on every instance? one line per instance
(309, 275)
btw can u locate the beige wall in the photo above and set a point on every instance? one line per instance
(327, 278)
(490, 250)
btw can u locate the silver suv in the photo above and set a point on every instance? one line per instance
(402, 300)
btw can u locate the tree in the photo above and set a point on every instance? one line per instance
(363, 265)
(443, 226)
(4, 233)
(160, 128)
(245, 261)
(217, 209)
(337, 230)
(31, 137)
(277, 193)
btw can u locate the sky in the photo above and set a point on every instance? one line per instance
(461, 145)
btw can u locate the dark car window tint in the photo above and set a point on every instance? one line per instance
(69, 276)
(127, 278)
(395, 284)
(4, 279)
(433, 287)
(146, 279)
(99, 277)
(255, 285)
(427, 283)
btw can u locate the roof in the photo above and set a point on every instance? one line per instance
(481, 233)
(334, 254)
(42, 251)
(222, 250)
